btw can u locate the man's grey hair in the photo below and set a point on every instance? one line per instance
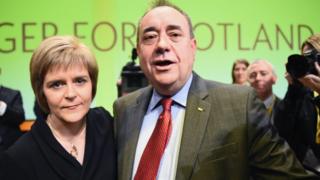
(257, 61)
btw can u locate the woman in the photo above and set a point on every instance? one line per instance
(239, 71)
(74, 142)
(297, 115)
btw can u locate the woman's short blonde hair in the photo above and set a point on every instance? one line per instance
(59, 52)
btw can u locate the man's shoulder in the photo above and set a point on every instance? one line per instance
(133, 97)
(223, 88)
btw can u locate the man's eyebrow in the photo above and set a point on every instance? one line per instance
(174, 27)
(170, 27)
(148, 29)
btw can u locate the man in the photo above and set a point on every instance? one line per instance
(11, 116)
(262, 77)
(214, 131)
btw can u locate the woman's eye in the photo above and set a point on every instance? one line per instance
(56, 85)
(80, 81)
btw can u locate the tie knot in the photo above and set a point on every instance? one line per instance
(166, 103)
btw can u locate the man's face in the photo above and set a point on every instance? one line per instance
(165, 49)
(261, 78)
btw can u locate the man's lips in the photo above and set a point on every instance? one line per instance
(262, 87)
(163, 63)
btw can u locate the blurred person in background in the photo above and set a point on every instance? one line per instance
(297, 116)
(239, 72)
(11, 116)
(262, 76)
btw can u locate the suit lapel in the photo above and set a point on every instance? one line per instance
(133, 122)
(197, 114)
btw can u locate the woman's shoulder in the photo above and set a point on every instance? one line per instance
(20, 154)
(21, 146)
(10, 168)
(100, 118)
(99, 113)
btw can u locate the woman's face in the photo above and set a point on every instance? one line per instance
(306, 48)
(240, 73)
(68, 92)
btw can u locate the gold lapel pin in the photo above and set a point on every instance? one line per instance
(200, 109)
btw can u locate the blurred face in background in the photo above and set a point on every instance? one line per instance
(240, 73)
(261, 78)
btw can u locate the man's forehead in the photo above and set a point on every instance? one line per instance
(165, 14)
(260, 65)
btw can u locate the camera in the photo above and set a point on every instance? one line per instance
(301, 65)
(132, 77)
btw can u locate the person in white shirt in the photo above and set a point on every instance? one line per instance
(11, 116)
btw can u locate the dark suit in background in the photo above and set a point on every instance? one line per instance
(12, 118)
(296, 120)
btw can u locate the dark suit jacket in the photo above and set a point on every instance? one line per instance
(230, 139)
(276, 103)
(296, 120)
(13, 116)
(37, 155)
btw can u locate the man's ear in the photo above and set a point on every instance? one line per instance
(194, 44)
(274, 79)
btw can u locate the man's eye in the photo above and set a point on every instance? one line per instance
(175, 36)
(252, 76)
(149, 37)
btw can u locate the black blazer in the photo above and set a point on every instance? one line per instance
(13, 116)
(37, 155)
(296, 119)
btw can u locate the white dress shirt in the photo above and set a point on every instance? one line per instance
(3, 107)
(169, 160)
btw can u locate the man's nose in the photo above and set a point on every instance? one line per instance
(258, 77)
(163, 44)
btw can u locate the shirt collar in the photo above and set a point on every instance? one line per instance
(268, 102)
(179, 98)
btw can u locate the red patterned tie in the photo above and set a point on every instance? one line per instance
(150, 159)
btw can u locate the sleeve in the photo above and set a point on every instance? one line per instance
(269, 155)
(10, 169)
(14, 114)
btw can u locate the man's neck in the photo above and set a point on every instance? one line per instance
(263, 97)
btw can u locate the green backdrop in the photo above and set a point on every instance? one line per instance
(225, 30)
